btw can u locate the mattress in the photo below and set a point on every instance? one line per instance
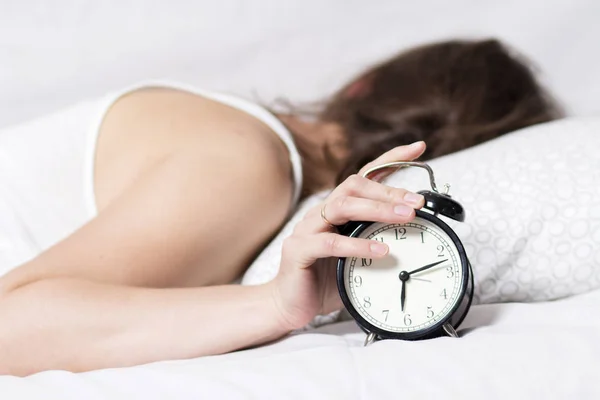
(544, 350)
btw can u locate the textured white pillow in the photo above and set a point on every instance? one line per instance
(532, 198)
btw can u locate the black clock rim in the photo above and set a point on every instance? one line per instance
(355, 228)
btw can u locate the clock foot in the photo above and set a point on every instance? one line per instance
(450, 330)
(370, 338)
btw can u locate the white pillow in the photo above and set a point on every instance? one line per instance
(532, 200)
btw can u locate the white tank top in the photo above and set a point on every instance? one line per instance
(47, 171)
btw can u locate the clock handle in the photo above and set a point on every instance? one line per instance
(403, 164)
(439, 203)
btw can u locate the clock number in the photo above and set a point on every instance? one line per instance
(444, 295)
(440, 248)
(450, 272)
(430, 312)
(380, 239)
(400, 233)
(367, 302)
(386, 312)
(422, 237)
(358, 281)
(366, 262)
(407, 320)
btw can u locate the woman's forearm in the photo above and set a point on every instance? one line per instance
(79, 325)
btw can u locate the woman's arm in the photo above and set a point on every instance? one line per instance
(65, 321)
(194, 219)
(80, 325)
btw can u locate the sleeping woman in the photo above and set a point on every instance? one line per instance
(134, 215)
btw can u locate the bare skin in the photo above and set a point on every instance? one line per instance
(147, 279)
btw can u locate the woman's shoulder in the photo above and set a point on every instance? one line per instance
(146, 126)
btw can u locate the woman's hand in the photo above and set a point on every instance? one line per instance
(306, 283)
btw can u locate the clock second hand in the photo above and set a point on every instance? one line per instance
(420, 279)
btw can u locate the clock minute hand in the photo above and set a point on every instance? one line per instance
(426, 267)
(403, 295)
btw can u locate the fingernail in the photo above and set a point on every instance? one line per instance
(414, 198)
(379, 248)
(403, 210)
(415, 144)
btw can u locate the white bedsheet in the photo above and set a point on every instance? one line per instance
(508, 351)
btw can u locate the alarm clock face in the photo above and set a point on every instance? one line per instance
(416, 287)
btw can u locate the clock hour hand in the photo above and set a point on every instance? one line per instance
(425, 267)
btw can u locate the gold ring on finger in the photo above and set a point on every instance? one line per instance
(324, 218)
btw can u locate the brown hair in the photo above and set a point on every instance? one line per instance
(452, 95)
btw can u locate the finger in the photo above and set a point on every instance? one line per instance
(359, 186)
(400, 153)
(387, 204)
(303, 251)
(347, 208)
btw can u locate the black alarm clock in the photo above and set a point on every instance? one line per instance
(424, 287)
